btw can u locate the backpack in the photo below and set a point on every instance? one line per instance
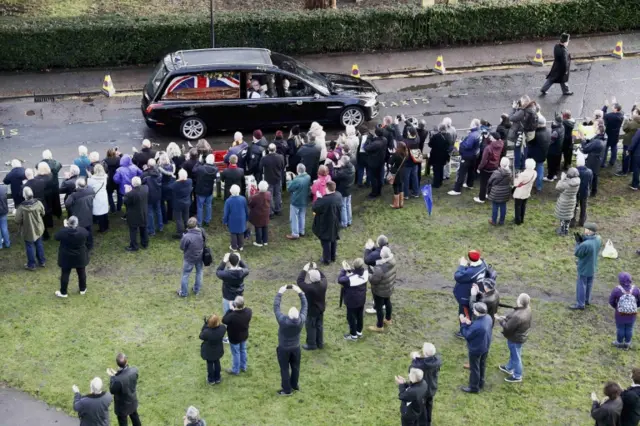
(627, 303)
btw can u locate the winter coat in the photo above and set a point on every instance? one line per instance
(123, 388)
(354, 285)
(491, 157)
(430, 367)
(80, 205)
(470, 145)
(4, 205)
(326, 222)
(608, 413)
(142, 157)
(557, 139)
(188, 167)
(111, 165)
(568, 125)
(29, 218)
(615, 296)
(440, 149)
(478, 335)
(412, 398)
(260, 209)
(630, 127)
(152, 178)
(465, 277)
(586, 177)
(539, 146)
(595, 150)
(612, 123)
(101, 200)
(55, 167)
(181, 192)
(239, 151)
(561, 65)
(45, 192)
(630, 406)
(319, 185)
(371, 256)
(376, 149)
(298, 189)
(634, 148)
(383, 278)
(523, 184)
(315, 292)
(396, 167)
(93, 409)
(205, 176)
(344, 177)
(73, 251)
(289, 329)
(237, 322)
(14, 179)
(233, 176)
(516, 325)
(309, 155)
(587, 254)
(566, 204)
(232, 279)
(320, 140)
(212, 348)
(272, 166)
(37, 186)
(499, 186)
(136, 202)
(236, 213)
(83, 164)
(125, 173)
(192, 245)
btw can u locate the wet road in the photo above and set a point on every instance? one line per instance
(26, 127)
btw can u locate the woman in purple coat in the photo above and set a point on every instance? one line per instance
(625, 299)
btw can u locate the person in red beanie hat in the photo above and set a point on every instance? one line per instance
(471, 270)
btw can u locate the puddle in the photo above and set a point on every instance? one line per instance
(87, 99)
(438, 85)
(31, 113)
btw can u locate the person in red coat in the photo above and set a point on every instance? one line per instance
(259, 211)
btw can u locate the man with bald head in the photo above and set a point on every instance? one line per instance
(122, 386)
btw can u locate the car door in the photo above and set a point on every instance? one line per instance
(264, 107)
(307, 105)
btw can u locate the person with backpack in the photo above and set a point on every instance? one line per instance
(625, 299)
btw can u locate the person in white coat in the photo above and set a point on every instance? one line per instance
(98, 182)
(318, 135)
(522, 189)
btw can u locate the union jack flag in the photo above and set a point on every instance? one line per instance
(203, 81)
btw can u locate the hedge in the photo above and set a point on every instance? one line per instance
(122, 40)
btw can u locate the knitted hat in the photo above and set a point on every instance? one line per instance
(257, 134)
(474, 255)
(279, 134)
(314, 276)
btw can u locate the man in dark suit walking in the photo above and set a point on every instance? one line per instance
(122, 386)
(135, 200)
(561, 66)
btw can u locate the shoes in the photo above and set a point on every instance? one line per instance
(633, 187)
(459, 335)
(567, 93)
(491, 222)
(388, 322)
(230, 371)
(467, 389)
(225, 340)
(292, 237)
(546, 179)
(504, 369)
(452, 192)
(42, 265)
(373, 311)
(620, 174)
(256, 244)
(359, 335)
(283, 393)
(543, 93)
(416, 196)
(512, 379)
(265, 244)
(376, 329)
(616, 344)
(576, 307)
(29, 268)
(180, 294)
(308, 348)
(129, 248)
(58, 294)
(350, 337)
(217, 382)
(232, 249)
(464, 185)
(83, 292)
(478, 200)
(296, 389)
(466, 366)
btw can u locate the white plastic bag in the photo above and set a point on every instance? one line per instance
(609, 251)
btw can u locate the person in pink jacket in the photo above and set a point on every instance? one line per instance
(319, 185)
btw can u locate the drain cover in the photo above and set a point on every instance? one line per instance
(44, 99)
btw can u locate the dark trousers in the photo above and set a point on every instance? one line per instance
(64, 279)
(360, 173)
(613, 146)
(112, 205)
(581, 202)
(438, 175)
(133, 236)
(594, 185)
(378, 303)
(484, 180)
(262, 235)
(315, 331)
(135, 419)
(477, 366)
(355, 320)
(103, 222)
(89, 243)
(426, 420)
(548, 83)
(520, 210)
(374, 175)
(329, 250)
(181, 214)
(237, 241)
(567, 154)
(213, 371)
(553, 165)
(626, 160)
(166, 207)
(289, 359)
(466, 171)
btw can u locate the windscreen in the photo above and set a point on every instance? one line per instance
(289, 64)
(156, 79)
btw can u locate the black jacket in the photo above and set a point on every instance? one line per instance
(123, 388)
(14, 178)
(111, 165)
(142, 157)
(254, 156)
(232, 280)
(68, 186)
(607, 413)
(568, 125)
(153, 179)
(439, 145)
(188, 166)
(326, 222)
(205, 176)
(631, 407)
(613, 123)
(289, 329)
(595, 150)
(45, 182)
(344, 177)
(412, 398)
(271, 166)
(80, 205)
(376, 150)
(73, 248)
(354, 284)
(561, 65)
(233, 176)
(137, 206)
(316, 293)
(237, 323)
(309, 155)
(557, 139)
(539, 146)
(37, 186)
(430, 366)
(93, 410)
(212, 348)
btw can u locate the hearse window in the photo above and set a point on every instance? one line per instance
(292, 87)
(261, 85)
(205, 86)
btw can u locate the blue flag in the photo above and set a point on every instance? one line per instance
(428, 197)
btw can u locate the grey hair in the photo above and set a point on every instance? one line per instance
(94, 156)
(173, 150)
(474, 123)
(146, 143)
(151, 162)
(136, 182)
(43, 168)
(294, 313)
(416, 375)
(16, 163)
(47, 155)
(442, 127)
(573, 172)
(81, 183)
(83, 151)
(193, 415)
(263, 186)
(74, 170)
(163, 160)
(28, 173)
(72, 222)
(272, 147)
(27, 193)
(210, 159)
(523, 300)
(238, 302)
(447, 121)
(301, 168)
(234, 190)
(428, 349)
(382, 240)
(182, 174)
(344, 160)
(96, 385)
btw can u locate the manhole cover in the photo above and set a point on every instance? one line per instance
(31, 112)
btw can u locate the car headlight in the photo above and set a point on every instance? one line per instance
(370, 103)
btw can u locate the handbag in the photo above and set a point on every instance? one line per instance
(391, 177)
(207, 256)
(416, 155)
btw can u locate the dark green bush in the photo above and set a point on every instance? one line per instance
(121, 40)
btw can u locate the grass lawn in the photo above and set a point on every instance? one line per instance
(131, 306)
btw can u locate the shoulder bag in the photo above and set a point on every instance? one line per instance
(207, 257)
(391, 177)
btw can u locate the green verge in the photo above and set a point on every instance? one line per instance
(131, 306)
(121, 39)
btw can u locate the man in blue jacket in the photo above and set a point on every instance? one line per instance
(587, 249)
(478, 336)
(468, 273)
(468, 149)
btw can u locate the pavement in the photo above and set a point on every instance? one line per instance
(133, 78)
(28, 127)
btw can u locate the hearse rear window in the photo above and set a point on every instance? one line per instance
(206, 86)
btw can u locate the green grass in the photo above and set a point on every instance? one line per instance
(50, 344)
